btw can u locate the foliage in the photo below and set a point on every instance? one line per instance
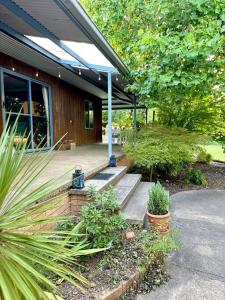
(204, 157)
(220, 138)
(158, 200)
(153, 244)
(123, 119)
(26, 248)
(101, 219)
(166, 149)
(195, 176)
(175, 53)
(205, 114)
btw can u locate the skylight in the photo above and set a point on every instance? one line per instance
(88, 52)
(51, 47)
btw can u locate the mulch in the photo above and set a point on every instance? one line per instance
(214, 174)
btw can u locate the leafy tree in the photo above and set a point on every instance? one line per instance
(164, 149)
(175, 53)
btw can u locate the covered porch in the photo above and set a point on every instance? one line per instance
(91, 158)
(78, 55)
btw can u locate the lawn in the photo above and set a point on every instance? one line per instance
(216, 151)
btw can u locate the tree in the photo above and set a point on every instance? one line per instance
(174, 50)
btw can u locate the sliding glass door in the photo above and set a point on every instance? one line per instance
(29, 100)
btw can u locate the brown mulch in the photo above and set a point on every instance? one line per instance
(107, 269)
(214, 174)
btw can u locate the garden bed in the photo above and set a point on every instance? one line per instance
(214, 174)
(107, 270)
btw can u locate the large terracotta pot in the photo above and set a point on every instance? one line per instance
(159, 223)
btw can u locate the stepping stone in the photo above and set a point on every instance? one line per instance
(135, 210)
(126, 187)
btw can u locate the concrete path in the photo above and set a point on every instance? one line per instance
(197, 270)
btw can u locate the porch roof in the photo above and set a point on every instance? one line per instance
(61, 22)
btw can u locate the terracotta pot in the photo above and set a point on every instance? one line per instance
(159, 223)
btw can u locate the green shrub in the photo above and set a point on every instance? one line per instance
(195, 176)
(167, 149)
(101, 219)
(28, 252)
(158, 200)
(204, 157)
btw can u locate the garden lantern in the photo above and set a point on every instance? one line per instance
(78, 178)
(112, 161)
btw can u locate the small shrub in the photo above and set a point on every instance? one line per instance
(165, 149)
(204, 157)
(101, 219)
(195, 176)
(158, 200)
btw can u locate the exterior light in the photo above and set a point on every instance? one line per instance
(112, 161)
(13, 69)
(36, 74)
(59, 75)
(78, 178)
(79, 72)
(99, 77)
(117, 78)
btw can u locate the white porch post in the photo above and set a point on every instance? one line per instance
(109, 114)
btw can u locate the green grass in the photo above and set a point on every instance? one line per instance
(216, 151)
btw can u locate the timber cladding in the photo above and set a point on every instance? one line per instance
(67, 105)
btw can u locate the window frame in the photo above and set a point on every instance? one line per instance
(85, 123)
(29, 80)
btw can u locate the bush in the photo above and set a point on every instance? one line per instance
(101, 219)
(28, 252)
(195, 176)
(166, 149)
(204, 157)
(158, 200)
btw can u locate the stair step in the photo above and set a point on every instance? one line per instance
(126, 187)
(101, 185)
(135, 209)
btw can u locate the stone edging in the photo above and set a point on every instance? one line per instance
(123, 287)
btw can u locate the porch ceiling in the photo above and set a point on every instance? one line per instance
(59, 21)
(66, 19)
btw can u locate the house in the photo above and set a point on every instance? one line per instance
(58, 72)
(57, 75)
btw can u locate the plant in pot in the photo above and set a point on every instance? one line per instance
(158, 209)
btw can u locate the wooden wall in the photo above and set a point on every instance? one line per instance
(67, 105)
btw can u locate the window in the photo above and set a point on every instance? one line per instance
(89, 114)
(30, 99)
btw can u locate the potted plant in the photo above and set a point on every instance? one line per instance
(158, 209)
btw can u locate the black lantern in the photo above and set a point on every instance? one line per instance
(112, 161)
(78, 178)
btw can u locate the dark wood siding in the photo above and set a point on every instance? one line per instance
(67, 105)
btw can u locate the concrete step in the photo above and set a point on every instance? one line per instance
(102, 184)
(126, 187)
(135, 209)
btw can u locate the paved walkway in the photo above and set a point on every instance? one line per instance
(197, 271)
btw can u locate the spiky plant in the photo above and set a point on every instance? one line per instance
(25, 249)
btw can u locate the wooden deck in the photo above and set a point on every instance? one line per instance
(91, 158)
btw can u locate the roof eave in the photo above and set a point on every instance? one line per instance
(94, 34)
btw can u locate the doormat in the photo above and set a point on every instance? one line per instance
(101, 176)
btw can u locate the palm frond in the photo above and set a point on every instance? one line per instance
(25, 249)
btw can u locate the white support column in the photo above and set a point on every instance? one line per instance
(109, 114)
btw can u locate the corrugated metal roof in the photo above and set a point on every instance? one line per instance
(25, 54)
(65, 19)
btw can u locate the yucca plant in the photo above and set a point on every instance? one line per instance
(25, 249)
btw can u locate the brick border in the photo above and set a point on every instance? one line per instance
(124, 286)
